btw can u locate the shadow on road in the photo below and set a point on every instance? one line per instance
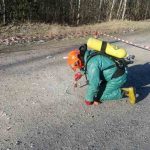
(139, 77)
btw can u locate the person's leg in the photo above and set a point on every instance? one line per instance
(112, 89)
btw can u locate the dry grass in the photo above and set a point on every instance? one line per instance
(109, 27)
(41, 29)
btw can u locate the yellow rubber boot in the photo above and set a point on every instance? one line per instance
(130, 92)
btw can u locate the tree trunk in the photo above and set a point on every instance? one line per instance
(112, 6)
(124, 9)
(118, 11)
(71, 14)
(78, 15)
(4, 12)
(100, 5)
(147, 8)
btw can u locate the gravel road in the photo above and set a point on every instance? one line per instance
(40, 110)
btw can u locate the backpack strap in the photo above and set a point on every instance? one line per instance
(103, 47)
(89, 57)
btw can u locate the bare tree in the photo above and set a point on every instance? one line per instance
(4, 11)
(124, 9)
(146, 12)
(100, 5)
(112, 6)
(78, 15)
(119, 9)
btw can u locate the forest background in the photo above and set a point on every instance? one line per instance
(24, 21)
(72, 12)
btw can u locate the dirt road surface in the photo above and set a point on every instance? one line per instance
(40, 110)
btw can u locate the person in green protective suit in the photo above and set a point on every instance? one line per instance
(105, 79)
(102, 85)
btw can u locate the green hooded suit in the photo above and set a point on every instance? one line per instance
(102, 86)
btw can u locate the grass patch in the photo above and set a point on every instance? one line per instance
(34, 32)
(41, 29)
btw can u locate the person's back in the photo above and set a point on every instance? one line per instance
(106, 65)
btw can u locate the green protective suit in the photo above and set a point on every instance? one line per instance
(101, 84)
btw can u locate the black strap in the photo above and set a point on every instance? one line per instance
(119, 72)
(112, 66)
(103, 47)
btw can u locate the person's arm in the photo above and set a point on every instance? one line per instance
(79, 74)
(94, 82)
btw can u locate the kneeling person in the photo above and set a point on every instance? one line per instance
(105, 78)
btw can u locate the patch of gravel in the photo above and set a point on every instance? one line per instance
(37, 113)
